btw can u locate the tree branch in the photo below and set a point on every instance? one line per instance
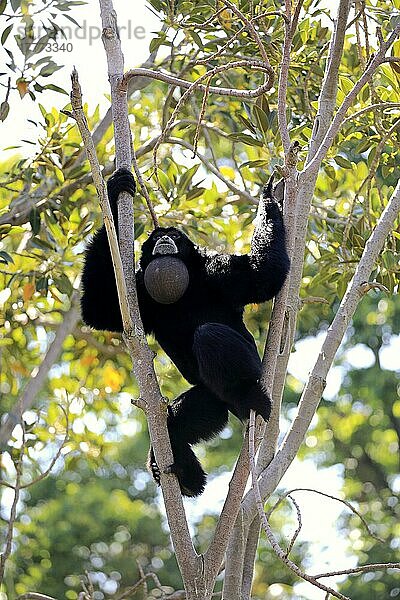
(41, 197)
(327, 99)
(13, 512)
(189, 563)
(221, 91)
(35, 383)
(323, 146)
(231, 186)
(215, 553)
(250, 64)
(314, 388)
(280, 553)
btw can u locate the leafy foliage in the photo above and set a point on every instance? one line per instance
(28, 30)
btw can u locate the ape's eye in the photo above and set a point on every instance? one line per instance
(175, 235)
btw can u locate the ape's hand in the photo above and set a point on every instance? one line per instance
(122, 180)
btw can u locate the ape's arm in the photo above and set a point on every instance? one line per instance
(259, 275)
(99, 302)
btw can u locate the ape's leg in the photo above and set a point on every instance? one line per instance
(230, 366)
(196, 415)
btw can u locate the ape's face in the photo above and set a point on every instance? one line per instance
(166, 241)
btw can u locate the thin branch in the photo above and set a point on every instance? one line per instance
(35, 596)
(143, 188)
(338, 119)
(254, 34)
(142, 581)
(371, 107)
(251, 64)
(309, 75)
(215, 553)
(242, 194)
(313, 300)
(55, 457)
(36, 382)
(79, 116)
(13, 512)
(314, 388)
(280, 553)
(360, 569)
(298, 529)
(375, 162)
(327, 98)
(290, 30)
(51, 464)
(201, 115)
(331, 497)
(231, 92)
(105, 349)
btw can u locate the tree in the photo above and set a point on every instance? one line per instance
(352, 221)
(33, 31)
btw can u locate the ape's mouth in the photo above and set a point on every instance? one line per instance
(165, 245)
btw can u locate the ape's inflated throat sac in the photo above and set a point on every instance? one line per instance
(166, 279)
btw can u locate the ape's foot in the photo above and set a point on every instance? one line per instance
(121, 180)
(153, 467)
(191, 477)
(252, 397)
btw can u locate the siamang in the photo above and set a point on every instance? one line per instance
(201, 330)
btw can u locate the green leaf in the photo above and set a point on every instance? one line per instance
(186, 178)
(43, 110)
(165, 183)
(42, 244)
(246, 139)
(346, 85)
(4, 110)
(42, 284)
(342, 162)
(246, 122)
(63, 284)
(5, 257)
(389, 260)
(59, 175)
(253, 164)
(157, 42)
(195, 193)
(196, 38)
(34, 220)
(49, 69)
(261, 119)
(55, 88)
(138, 229)
(330, 171)
(5, 34)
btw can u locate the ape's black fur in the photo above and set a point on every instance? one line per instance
(203, 332)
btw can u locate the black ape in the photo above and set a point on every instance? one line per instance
(203, 331)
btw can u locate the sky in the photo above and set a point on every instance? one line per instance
(85, 52)
(87, 55)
